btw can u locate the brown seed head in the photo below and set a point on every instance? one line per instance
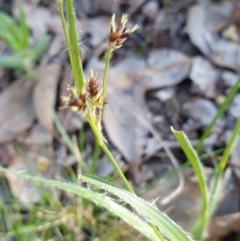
(118, 35)
(92, 85)
(75, 103)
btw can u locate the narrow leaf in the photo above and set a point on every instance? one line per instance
(167, 226)
(99, 199)
(198, 169)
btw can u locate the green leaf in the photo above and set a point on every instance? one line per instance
(97, 198)
(167, 226)
(22, 60)
(14, 35)
(41, 46)
(24, 29)
(198, 169)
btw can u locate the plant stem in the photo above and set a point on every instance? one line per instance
(104, 82)
(64, 26)
(118, 170)
(116, 167)
(105, 149)
(74, 48)
(95, 157)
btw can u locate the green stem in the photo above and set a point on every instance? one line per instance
(114, 163)
(104, 82)
(221, 110)
(116, 167)
(95, 157)
(64, 26)
(105, 149)
(74, 48)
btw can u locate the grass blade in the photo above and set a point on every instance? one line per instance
(41, 46)
(145, 209)
(24, 29)
(10, 32)
(66, 137)
(99, 199)
(198, 169)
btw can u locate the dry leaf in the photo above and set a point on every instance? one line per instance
(97, 7)
(204, 76)
(186, 207)
(46, 87)
(201, 24)
(203, 19)
(17, 114)
(201, 111)
(235, 106)
(225, 54)
(166, 68)
(196, 28)
(37, 136)
(26, 191)
(229, 78)
(40, 20)
(97, 28)
(121, 122)
(223, 225)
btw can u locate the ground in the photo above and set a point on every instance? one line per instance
(176, 70)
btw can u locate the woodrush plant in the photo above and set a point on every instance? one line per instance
(23, 57)
(85, 97)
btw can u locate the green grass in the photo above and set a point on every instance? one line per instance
(16, 36)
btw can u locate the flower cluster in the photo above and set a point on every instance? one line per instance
(91, 99)
(117, 34)
(84, 102)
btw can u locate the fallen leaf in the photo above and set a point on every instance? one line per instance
(7, 153)
(202, 19)
(40, 20)
(201, 111)
(201, 24)
(223, 225)
(97, 29)
(97, 7)
(46, 87)
(17, 113)
(186, 207)
(26, 191)
(196, 28)
(235, 106)
(225, 54)
(166, 68)
(229, 78)
(37, 136)
(121, 123)
(204, 77)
